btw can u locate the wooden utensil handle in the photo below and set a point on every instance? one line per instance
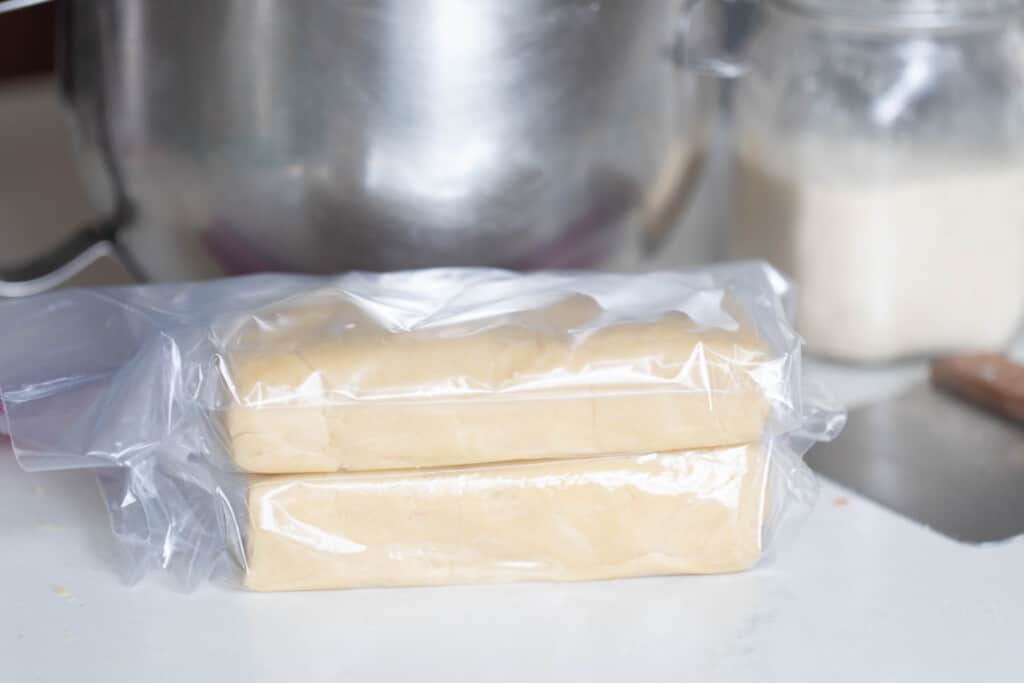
(990, 380)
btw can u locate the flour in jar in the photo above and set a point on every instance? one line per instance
(899, 260)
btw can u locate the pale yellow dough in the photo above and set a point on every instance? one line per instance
(569, 520)
(304, 397)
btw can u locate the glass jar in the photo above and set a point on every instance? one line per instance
(879, 160)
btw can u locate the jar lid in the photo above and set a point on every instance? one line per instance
(907, 13)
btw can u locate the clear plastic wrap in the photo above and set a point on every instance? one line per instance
(441, 426)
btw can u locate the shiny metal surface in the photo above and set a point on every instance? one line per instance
(11, 5)
(934, 459)
(903, 14)
(322, 135)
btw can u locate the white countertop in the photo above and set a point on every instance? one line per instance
(859, 595)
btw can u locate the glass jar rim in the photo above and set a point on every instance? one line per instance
(921, 14)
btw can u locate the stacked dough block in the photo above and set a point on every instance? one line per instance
(535, 445)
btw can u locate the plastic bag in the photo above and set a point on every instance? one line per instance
(440, 426)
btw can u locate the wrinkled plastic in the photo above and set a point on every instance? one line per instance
(442, 426)
(488, 368)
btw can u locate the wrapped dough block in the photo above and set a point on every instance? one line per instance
(424, 427)
(319, 385)
(568, 520)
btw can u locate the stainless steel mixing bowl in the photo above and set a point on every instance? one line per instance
(227, 136)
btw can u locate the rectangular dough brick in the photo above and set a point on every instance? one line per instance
(591, 518)
(528, 387)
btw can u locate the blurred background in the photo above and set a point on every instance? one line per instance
(221, 151)
(872, 150)
(42, 198)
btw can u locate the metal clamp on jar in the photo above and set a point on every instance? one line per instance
(880, 161)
